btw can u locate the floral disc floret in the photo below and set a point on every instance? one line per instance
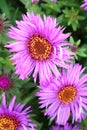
(8, 123)
(67, 94)
(39, 47)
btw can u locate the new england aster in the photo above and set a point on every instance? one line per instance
(68, 126)
(40, 45)
(13, 117)
(65, 96)
(84, 5)
(5, 82)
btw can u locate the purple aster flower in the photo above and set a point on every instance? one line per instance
(65, 127)
(40, 47)
(5, 82)
(65, 95)
(13, 117)
(84, 5)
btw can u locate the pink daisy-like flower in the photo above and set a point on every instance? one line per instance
(65, 95)
(40, 47)
(13, 117)
(68, 126)
(84, 5)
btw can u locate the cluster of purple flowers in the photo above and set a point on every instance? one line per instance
(41, 48)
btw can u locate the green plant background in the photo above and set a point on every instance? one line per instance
(69, 14)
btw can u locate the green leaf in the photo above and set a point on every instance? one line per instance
(5, 8)
(71, 40)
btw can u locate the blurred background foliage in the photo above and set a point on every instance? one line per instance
(69, 14)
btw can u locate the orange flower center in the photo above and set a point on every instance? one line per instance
(67, 94)
(39, 47)
(8, 122)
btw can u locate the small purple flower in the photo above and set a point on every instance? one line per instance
(84, 5)
(68, 126)
(5, 82)
(14, 117)
(40, 47)
(65, 95)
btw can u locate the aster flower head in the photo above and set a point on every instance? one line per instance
(14, 117)
(65, 95)
(5, 82)
(84, 5)
(40, 47)
(68, 126)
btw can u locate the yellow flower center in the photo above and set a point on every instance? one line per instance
(8, 122)
(39, 47)
(67, 94)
